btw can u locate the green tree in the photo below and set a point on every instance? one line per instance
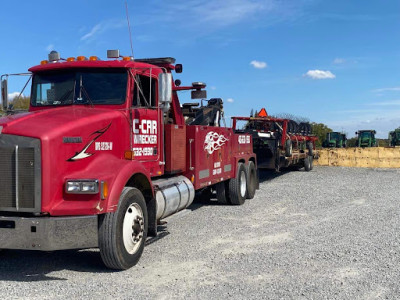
(21, 103)
(320, 130)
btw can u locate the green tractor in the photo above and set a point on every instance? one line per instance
(366, 138)
(394, 137)
(335, 140)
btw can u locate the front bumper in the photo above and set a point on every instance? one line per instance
(48, 233)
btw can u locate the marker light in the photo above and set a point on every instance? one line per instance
(126, 58)
(81, 58)
(104, 190)
(93, 58)
(44, 62)
(71, 59)
(82, 186)
(129, 155)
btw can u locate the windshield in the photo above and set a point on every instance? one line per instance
(334, 135)
(365, 135)
(79, 87)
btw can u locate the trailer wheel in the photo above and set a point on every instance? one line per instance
(307, 163)
(251, 180)
(288, 148)
(222, 192)
(310, 148)
(122, 234)
(311, 162)
(238, 186)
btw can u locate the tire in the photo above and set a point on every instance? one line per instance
(122, 234)
(251, 180)
(310, 148)
(307, 164)
(204, 196)
(288, 148)
(237, 186)
(311, 162)
(222, 192)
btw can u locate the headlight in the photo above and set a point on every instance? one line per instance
(82, 186)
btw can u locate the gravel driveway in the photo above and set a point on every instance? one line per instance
(332, 233)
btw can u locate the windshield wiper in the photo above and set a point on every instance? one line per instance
(82, 89)
(65, 96)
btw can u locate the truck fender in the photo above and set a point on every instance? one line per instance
(135, 175)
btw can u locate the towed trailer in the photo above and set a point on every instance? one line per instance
(279, 143)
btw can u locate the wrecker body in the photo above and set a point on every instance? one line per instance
(106, 152)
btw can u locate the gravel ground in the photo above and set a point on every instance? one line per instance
(332, 233)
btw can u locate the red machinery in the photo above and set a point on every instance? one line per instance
(279, 143)
(106, 151)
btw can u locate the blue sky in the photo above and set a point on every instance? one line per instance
(335, 62)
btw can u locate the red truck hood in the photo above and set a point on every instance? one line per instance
(45, 124)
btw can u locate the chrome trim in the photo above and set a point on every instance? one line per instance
(16, 179)
(11, 141)
(49, 233)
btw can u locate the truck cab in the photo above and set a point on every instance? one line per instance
(104, 154)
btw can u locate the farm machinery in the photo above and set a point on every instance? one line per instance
(335, 140)
(278, 142)
(366, 138)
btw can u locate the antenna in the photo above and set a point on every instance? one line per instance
(129, 25)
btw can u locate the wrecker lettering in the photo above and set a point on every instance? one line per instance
(145, 131)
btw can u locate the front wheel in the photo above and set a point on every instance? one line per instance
(122, 234)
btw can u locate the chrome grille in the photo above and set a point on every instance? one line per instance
(20, 174)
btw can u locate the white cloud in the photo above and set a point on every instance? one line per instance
(92, 32)
(12, 95)
(230, 100)
(213, 88)
(210, 16)
(319, 74)
(391, 89)
(50, 47)
(338, 61)
(258, 64)
(386, 103)
(102, 27)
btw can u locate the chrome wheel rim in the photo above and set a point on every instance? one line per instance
(133, 228)
(242, 184)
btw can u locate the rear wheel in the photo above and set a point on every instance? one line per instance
(307, 163)
(122, 234)
(238, 186)
(310, 148)
(222, 193)
(251, 180)
(288, 148)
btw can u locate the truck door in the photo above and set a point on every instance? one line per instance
(146, 123)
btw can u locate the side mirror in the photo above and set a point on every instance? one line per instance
(165, 90)
(178, 68)
(4, 94)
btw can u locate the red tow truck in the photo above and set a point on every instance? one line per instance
(279, 143)
(106, 151)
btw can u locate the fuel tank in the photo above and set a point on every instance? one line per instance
(173, 195)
